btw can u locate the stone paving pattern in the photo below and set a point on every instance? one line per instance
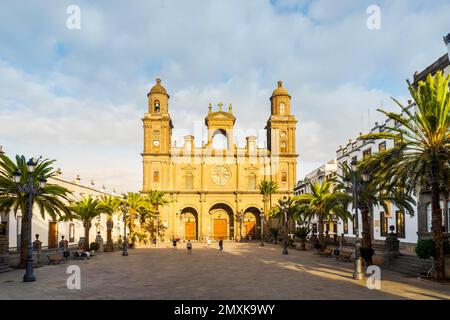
(242, 271)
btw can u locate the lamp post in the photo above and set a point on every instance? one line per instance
(31, 190)
(157, 227)
(125, 241)
(358, 273)
(284, 209)
(261, 216)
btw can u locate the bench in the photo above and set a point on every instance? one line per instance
(345, 255)
(326, 252)
(54, 258)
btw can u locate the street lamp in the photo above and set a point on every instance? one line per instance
(157, 227)
(261, 217)
(284, 209)
(240, 217)
(124, 210)
(357, 274)
(32, 191)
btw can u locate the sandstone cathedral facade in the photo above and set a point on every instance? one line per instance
(214, 191)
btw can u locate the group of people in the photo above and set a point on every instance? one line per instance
(189, 245)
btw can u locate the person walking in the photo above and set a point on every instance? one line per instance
(174, 242)
(221, 245)
(189, 247)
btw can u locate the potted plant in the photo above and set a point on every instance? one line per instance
(94, 246)
(302, 234)
(366, 254)
(425, 249)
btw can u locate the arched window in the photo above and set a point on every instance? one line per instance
(189, 181)
(220, 140)
(283, 176)
(283, 146)
(156, 106)
(282, 108)
(252, 181)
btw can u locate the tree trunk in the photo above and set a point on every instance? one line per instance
(87, 227)
(266, 217)
(24, 239)
(438, 236)
(321, 236)
(109, 242)
(132, 228)
(446, 211)
(366, 234)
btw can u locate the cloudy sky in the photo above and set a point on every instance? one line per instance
(77, 95)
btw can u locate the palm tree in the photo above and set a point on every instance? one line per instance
(266, 189)
(157, 199)
(112, 204)
(373, 194)
(277, 212)
(135, 203)
(52, 201)
(86, 210)
(420, 159)
(324, 204)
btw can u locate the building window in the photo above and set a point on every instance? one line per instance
(155, 176)
(283, 146)
(189, 181)
(282, 108)
(72, 232)
(345, 227)
(252, 181)
(156, 106)
(283, 177)
(384, 224)
(354, 224)
(367, 153)
(382, 146)
(355, 159)
(400, 224)
(429, 217)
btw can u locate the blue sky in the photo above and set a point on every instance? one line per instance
(78, 95)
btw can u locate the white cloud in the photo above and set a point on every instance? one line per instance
(92, 95)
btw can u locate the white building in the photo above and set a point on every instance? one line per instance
(409, 227)
(324, 173)
(49, 231)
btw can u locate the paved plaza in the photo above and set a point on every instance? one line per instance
(242, 271)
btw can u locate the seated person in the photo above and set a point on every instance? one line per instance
(83, 254)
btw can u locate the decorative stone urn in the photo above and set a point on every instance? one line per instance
(109, 243)
(99, 241)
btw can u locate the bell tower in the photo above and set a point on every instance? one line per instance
(157, 139)
(281, 139)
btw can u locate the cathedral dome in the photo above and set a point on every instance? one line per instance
(280, 91)
(158, 88)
